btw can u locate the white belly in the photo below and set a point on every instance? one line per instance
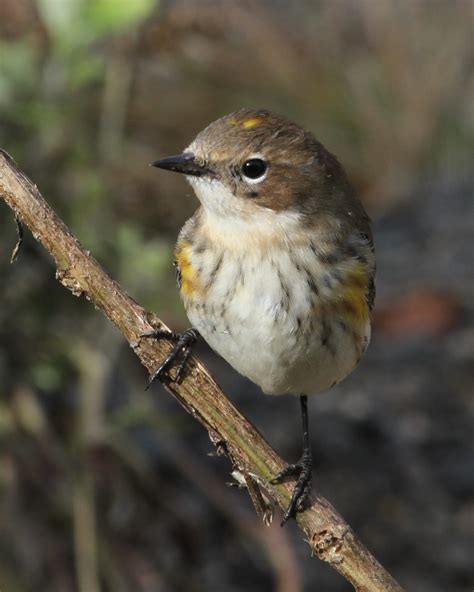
(262, 316)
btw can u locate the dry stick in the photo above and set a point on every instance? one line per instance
(328, 535)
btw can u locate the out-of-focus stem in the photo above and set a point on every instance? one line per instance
(85, 534)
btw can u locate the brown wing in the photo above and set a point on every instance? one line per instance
(371, 285)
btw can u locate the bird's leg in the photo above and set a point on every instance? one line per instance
(302, 469)
(184, 343)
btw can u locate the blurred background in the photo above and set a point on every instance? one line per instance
(104, 487)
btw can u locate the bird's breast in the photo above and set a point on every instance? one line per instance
(280, 317)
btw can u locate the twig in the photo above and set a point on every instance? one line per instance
(328, 535)
(19, 242)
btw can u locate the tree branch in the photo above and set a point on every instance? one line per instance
(328, 535)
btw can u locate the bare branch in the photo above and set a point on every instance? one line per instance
(328, 535)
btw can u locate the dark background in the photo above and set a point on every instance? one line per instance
(106, 487)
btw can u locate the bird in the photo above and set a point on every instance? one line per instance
(276, 267)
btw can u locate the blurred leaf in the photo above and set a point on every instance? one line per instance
(107, 16)
(17, 70)
(142, 262)
(59, 16)
(85, 71)
(28, 412)
(46, 376)
(73, 24)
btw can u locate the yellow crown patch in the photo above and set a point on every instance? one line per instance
(248, 123)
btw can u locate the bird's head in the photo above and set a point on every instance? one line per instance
(253, 166)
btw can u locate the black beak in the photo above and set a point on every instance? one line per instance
(181, 163)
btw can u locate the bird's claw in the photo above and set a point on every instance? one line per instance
(302, 489)
(183, 347)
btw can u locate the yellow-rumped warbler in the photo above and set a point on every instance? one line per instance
(276, 268)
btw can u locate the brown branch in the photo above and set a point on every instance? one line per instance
(328, 535)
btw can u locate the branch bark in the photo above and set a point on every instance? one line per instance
(328, 535)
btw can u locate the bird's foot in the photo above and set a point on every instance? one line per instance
(184, 343)
(302, 489)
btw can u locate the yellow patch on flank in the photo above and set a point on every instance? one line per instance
(189, 281)
(352, 301)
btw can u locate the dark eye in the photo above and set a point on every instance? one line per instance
(254, 168)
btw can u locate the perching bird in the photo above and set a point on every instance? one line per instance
(276, 267)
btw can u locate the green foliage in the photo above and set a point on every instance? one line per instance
(18, 72)
(74, 24)
(111, 16)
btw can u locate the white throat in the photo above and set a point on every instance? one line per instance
(236, 222)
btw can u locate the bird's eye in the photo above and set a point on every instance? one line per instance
(254, 168)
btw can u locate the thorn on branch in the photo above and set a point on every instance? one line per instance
(19, 242)
(262, 504)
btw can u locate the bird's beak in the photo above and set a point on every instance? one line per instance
(182, 163)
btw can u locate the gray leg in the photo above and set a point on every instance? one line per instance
(301, 469)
